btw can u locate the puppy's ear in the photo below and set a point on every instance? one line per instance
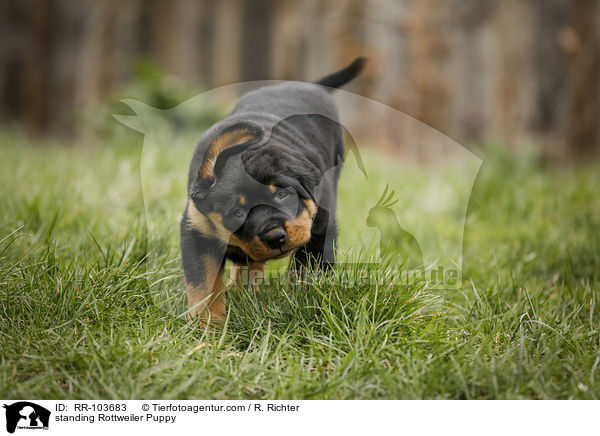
(200, 187)
(231, 139)
(227, 141)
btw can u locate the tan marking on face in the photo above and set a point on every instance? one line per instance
(256, 250)
(210, 225)
(235, 241)
(310, 207)
(221, 232)
(198, 221)
(242, 200)
(223, 142)
(273, 188)
(298, 232)
(259, 251)
(207, 300)
(298, 229)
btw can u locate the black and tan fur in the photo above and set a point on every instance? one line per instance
(257, 188)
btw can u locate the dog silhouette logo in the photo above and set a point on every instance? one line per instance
(393, 239)
(423, 231)
(26, 415)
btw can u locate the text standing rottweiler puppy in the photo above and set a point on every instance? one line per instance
(262, 185)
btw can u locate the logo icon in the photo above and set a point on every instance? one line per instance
(393, 239)
(26, 415)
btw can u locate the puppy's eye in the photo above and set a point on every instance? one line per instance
(281, 194)
(239, 213)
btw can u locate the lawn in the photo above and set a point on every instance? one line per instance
(79, 252)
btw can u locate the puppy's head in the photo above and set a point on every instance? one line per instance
(250, 204)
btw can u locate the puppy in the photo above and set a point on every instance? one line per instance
(262, 185)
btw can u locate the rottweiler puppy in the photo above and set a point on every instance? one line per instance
(262, 185)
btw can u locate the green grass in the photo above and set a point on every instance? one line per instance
(77, 319)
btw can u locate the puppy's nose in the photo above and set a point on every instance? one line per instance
(275, 238)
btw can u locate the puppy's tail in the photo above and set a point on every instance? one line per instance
(340, 78)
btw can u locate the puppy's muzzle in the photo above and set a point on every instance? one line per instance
(275, 238)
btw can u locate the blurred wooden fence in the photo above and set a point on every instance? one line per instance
(512, 70)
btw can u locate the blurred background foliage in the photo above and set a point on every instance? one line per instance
(513, 71)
